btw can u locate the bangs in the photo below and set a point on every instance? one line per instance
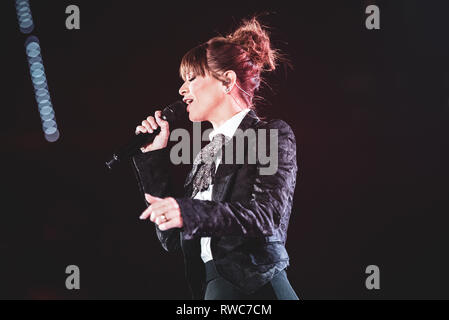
(194, 61)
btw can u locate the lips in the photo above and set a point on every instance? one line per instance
(187, 101)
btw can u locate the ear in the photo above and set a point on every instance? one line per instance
(229, 82)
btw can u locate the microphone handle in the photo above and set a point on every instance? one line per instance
(132, 147)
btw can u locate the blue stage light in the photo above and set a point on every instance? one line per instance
(42, 94)
(24, 16)
(37, 71)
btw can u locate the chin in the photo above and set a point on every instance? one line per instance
(195, 117)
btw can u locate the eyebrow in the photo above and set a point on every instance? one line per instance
(190, 74)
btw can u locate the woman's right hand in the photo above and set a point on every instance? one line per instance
(149, 125)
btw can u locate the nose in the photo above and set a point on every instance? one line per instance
(183, 89)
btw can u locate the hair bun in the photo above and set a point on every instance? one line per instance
(253, 39)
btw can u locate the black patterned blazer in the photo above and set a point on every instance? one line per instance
(247, 218)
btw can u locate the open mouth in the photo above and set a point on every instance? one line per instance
(188, 101)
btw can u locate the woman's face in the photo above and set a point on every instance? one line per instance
(203, 96)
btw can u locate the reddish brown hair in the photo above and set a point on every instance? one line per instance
(247, 51)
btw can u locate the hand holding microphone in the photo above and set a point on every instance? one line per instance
(153, 134)
(151, 124)
(164, 212)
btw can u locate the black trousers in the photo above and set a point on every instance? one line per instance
(218, 288)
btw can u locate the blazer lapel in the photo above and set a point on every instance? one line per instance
(225, 172)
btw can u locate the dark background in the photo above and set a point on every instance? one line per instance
(370, 110)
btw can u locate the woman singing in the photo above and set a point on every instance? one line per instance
(231, 224)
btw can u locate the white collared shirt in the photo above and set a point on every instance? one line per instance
(228, 129)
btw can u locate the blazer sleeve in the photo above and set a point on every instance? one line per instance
(152, 170)
(259, 215)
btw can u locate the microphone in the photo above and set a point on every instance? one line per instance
(171, 113)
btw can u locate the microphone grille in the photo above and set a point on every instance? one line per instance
(174, 111)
